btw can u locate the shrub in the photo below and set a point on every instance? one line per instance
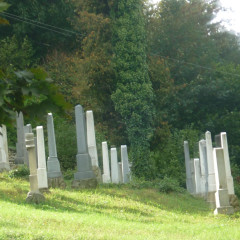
(168, 184)
(20, 172)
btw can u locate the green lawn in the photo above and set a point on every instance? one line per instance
(109, 212)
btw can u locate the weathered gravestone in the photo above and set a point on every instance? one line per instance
(114, 166)
(125, 164)
(41, 158)
(92, 147)
(34, 196)
(55, 178)
(106, 170)
(221, 195)
(197, 176)
(4, 164)
(203, 168)
(5, 141)
(84, 177)
(21, 155)
(120, 173)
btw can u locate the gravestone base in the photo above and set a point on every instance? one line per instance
(85, 183)
(98, 174)
(57, 182)
(234, 202)
(4, 167)
(35, 197)
(106, 178)
(211, 200)
(224, 210)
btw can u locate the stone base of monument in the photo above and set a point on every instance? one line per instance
(57, 182)
(106, 178)
(4, 167)
(234, 202)
(97, 173)
(211, 200)
(35, 197)
(224, 210)
(85, 183)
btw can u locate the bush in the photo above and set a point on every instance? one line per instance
(169, 184)
(20, 172)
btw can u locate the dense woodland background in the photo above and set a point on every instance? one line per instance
(153, 76)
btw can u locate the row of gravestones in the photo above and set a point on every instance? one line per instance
(209, 176)
(31, 151)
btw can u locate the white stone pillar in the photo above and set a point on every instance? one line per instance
(197, 175)
(192, 168)
(106, 170)
(125, 164)
(5, 141)
(221, 195)
(4, 164)
(41, 171)
(224, 145)
(189, 180)
(203, 167)
(114, 166)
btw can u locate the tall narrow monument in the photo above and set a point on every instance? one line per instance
(106, 169)
(4, 164)
(84, 177)
(189, 179)
(114, 166)
(125, 164)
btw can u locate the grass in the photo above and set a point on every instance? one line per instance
(109, 212)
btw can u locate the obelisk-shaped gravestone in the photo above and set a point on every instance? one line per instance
(92, 147)
(197, 176)
(221, 195)
(4, 164)
(54, 173)
(106, 170)
(5, 141)
(189, 179)
(84, 177)
(125, 164)
(114, 166)
(41, 158)
(21, 156)
(34, 195)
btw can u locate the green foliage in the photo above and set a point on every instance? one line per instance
(19, 172)
(168, 184)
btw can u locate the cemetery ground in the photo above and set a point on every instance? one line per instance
(109, 212)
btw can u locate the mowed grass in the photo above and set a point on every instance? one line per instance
(109, 212)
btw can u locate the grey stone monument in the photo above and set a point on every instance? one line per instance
(4, 164)
(114, 166)
(84, 177)
(221, 195)
(192, 168)
(197, 176)
(106, 170)
(5, 141)
(21, 156)
(34, 196)
(189, 179)
(92, 146)
(120, 172)
(125, 164)
(54, 173)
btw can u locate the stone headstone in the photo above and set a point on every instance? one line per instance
(5, 141)
(192, 169)
(203, 167)
(54, 173)
(34, 195)
(221, 195)
(21, 151)
(84, 175)
(114, 166)
(189, 179)
(120, 173)
(92, 147)
(41, 171)
(224, 145)
(106, 170)
(4, 164)
(125, 164)
(197, 176)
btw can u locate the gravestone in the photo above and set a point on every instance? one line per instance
(54, 174)
(41, 158)
(84, 177)
(5, 141)
(34, 196)
(4, 164)
(114, 166)
(21, 151)
(211, 170)
(203, 167)
(92, 147)
(125, 165)
(221, 195)
(192, 169)
(197, 176)
(189, 179)
(120, 173)
(106, 170)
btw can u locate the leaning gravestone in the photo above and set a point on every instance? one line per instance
(21, 156)
(34, 196)
(125, 164)
(55, 178)
(197, 176)
(84, 177)
(221, 195)
(114, 166)
(92, 147)
(106, 170)
(41, 157)
(4, 164)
